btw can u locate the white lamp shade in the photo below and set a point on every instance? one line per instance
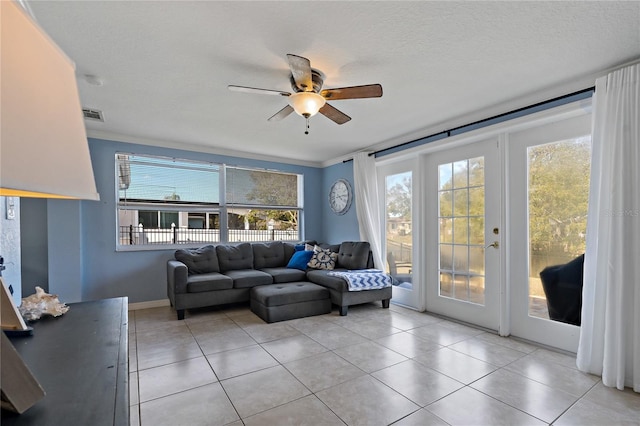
(306, 103)
(43, 147)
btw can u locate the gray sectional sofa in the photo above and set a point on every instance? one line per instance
(222, 274)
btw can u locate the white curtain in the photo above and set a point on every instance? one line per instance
(610, 332)
(365, 181)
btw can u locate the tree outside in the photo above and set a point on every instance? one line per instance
(273, 189)
(558, 197)
(399, 243)
(461, 200)
(558, 201)
(399, 198)
(398, 203)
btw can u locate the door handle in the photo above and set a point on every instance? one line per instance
(493, 244)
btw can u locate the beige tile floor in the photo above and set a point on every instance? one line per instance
(373, 367)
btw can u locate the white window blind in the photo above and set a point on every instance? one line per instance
(166, 180)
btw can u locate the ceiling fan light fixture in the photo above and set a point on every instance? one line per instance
(306, 104)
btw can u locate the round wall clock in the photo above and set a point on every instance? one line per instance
(340, 196)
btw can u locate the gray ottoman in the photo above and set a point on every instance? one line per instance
(281, 302)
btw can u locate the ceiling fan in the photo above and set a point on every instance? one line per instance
(308, 98)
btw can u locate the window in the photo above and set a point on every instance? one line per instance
(398, 218)
(148, 219)
(461, 191)
(262, 205)
(167, 201)
(558, 196)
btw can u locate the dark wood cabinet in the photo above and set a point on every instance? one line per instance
(81, 361)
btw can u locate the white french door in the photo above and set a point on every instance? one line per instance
(548, 175)
(463, 243)
(493, 214)
(398, 182)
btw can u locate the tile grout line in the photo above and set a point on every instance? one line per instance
(216, 374)
(580, 398)
(235, 319)
(135, 332)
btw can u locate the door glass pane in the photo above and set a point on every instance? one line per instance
(446, 230)
(476, 230)
(476, 172)
(446, 203)
(460, 174)
(558, 193)
(446, 285)
(461, 202)
(476, 289)
(476, 201)
(461, 198)
(398, 229)
(446, 257)
(445, 172)
(461, 287)
(476, 260)
(461, 259)
(461, 230)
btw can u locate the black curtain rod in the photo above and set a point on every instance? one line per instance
(447, 133)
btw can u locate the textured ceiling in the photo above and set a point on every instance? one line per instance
(166, 66)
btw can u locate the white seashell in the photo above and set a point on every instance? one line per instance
(41, 303)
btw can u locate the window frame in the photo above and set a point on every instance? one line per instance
(222, 209)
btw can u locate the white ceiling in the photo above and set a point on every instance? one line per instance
(166, 66)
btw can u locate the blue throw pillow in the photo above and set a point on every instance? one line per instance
(299, 247)
(300, 259)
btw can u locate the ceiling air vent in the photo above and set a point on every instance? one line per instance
(92, 114)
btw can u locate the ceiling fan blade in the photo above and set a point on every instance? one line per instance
(284, 112)
(301, 71)
(334, 114)
(353, 92)
(258, 91)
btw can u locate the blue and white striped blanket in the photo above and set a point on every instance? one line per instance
(364, 279)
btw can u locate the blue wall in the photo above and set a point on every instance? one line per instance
(34, 247)
(83, 262)
(344, 227)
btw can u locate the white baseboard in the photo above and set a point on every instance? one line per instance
(150, 304)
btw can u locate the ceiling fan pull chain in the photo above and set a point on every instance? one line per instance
(306, 132)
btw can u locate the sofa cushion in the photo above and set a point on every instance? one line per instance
(289, 249)
(331, 247)
(323, 259)
(320, 277)
(300, 259)
(202, 260)
(246, 278)
(199, 283)
(285, 275)
(353, 255)
(285, 294)
(268, 255)
(235, 257)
